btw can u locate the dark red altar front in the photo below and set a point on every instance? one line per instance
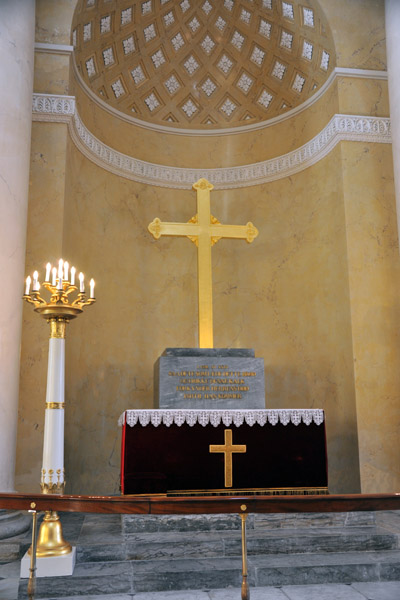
(189, 451)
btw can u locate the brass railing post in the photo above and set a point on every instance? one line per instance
(245, 583)
(32, 569)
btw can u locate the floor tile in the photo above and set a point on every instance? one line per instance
(270, 593)
(184, 595)
(11, 569)
(322, 592)
(62, 587)
(9, 589)
(380, 590)
(102, 597)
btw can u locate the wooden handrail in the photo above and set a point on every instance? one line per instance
(159, 505)
(188, 505)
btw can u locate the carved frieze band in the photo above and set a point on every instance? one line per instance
(340, 128)
(50, 107)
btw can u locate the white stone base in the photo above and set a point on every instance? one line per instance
(53, 566)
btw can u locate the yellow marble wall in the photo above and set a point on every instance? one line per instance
(286, 295)
(358, 28)
(315, 294)
(53, 21)
(374, 269)
(53, 26)
(362, 96)
(51, 72)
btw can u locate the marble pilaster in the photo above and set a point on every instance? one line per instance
(16, 79)
(392, 21)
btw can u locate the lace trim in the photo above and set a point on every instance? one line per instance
(227, 417)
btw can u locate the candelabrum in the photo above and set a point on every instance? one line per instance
(65, 303)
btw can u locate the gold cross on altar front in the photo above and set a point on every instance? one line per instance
(204, 230)
(228, 449)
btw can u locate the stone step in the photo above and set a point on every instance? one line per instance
(275, 570)
(161, 523)
(177, 545)
(130, 577)
(9, 551)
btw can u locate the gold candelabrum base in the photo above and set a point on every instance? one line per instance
(50, 540)
(58, 311)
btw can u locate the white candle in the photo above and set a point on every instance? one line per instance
(66, 267)
(91, 288)
(73, 270)
(81, 282)
(60, 269)
(54, 277)
(35, 285)
(48, 269)
(28, 285)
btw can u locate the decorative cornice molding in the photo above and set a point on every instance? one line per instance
(361, 73)
(51, 107)
(53, 48)
(340, 128)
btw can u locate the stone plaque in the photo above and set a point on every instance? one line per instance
(209, 378)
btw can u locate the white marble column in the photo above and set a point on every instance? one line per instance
(392, 22)
(17, 31)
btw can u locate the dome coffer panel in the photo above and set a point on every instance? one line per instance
(198, 64)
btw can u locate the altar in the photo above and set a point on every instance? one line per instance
(175, 452)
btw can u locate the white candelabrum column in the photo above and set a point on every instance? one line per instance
(392, 22)
(58, 310)
(17, 29)
(53, 445)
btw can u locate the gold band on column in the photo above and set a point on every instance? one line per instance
(55, 404)
(57, 327)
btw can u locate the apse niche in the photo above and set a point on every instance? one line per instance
(192, 64)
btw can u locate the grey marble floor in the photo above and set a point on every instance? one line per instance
(356, 591)
(98, 576)
(9, 582)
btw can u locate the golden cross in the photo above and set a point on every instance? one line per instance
(228, 449)
(204, 230)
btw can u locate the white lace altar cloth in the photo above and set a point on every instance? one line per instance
(227, 417)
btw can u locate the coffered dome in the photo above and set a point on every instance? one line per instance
(198, 64)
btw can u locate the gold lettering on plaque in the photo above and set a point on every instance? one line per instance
(204, 230)
(228, 449)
